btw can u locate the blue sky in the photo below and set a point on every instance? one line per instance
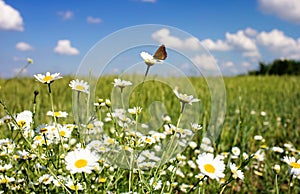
(58, 34)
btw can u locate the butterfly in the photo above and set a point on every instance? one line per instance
(161, 53)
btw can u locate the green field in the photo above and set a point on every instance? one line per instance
(268, 106)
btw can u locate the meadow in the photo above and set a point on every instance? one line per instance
(257, 150)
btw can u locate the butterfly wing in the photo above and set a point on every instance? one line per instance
(160, 53)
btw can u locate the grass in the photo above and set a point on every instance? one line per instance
(268, 106)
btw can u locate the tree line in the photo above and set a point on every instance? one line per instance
(278, 67)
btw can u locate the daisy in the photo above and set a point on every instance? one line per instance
(29, 61)
(57, 114)
(79, 85)
(236, 173)
(293, 164)
(48, 78)
(135, 110)
(46, 179)
(121, 83)
(236, 152)
(74, 187)
(210, 166)
(24, 119)
(184, 98)
(81, 160)
(149, 59)
(156, 184)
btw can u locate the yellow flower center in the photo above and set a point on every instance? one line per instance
(46, 179)
(57, 114)
(74, 187)
(43, 130)
(102, 180)
(47, 78)
(79, 87)
(295, 165)
(21, 123)
(62, 133)
(38, 137)
(81, 163)
(209, 168)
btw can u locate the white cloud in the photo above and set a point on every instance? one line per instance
(277, 42)
(64, 48)
(23, 46)
(66, 15)
(218, 45)
(164, 37)
(241, 41)
(10, 18)
(228, 64)
(288, 10)
(93, 20)
(206, 62)
(250, 32)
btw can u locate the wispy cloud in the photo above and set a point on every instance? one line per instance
(93, 20)
(286, 10)
(164, 37)
(23, 46)
(10, 18)
(66, 15)
(64, 47)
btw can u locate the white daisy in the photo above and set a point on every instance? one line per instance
(155, 184)
(79, 85)
(48, 78)
(81, 160)
(293, 164)
(149, 59)
(121, 83)
(46, 179)
(135, 110)
(24, 119)
(210, 166)
(184, 98)
(58, 114)
(236, 152)
(236, 173)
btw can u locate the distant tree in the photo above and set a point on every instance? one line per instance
(278, 67)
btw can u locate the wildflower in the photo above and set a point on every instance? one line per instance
(29, 61)
(166, 118)
(57, 114)
(149, 59)
(74, 187)
(156, 184)
(135, 110)
(236, 173)
(79, 85)
(236, 152)
(121, 83)
(277, 149)
(258, 138)
(5, 167)
(46, 179)
(196, 126)
(48, 78)
(184, 98)
(24, 119)
(293, 164)
(276, 168)
(81, 160)
(107, 103)
(263, 113)
(192, 144)
(148, 140)
(210, 166)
